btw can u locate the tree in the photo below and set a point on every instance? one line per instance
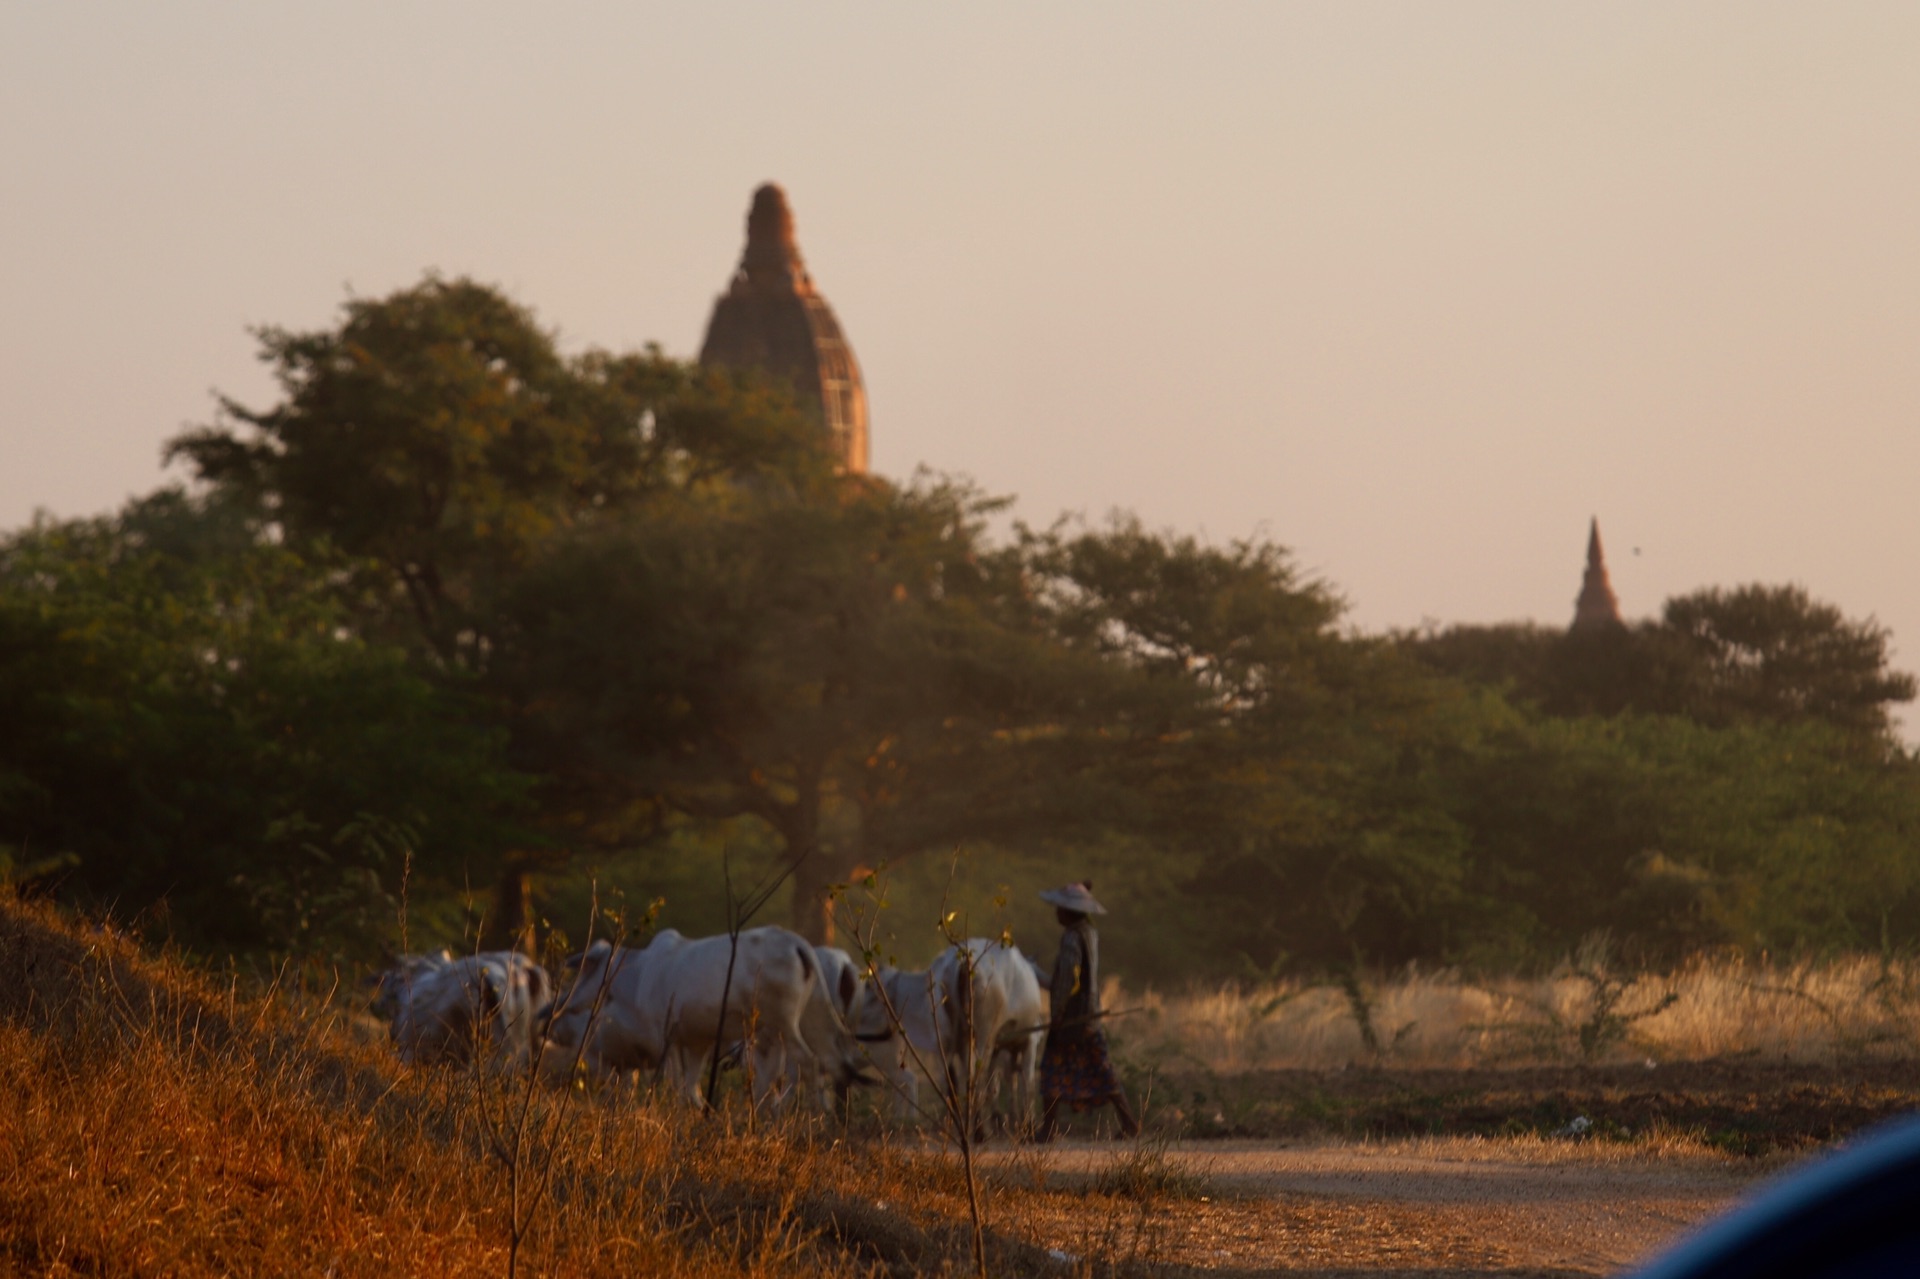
(192, 720)
(1287, 770)
(437, 442)
(1721, 657)
(1774, 653)
(812, 660)
(1517, 657)
(438, 434)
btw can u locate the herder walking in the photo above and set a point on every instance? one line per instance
(1075, 1067)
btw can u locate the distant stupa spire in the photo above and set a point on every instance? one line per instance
(772, 320)
(1596, 609)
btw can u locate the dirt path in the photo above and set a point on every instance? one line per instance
(1440, 1207)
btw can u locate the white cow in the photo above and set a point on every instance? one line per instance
(445, 1008)
(662, 1009)
(1004, 1012)
(906, 1011)
(393, 987)
(842, 979)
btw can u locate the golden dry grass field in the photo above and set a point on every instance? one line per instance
(155, 1121)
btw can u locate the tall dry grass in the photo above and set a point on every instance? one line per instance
(1811, 1011)
(155, 1123)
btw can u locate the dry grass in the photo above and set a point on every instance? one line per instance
(154, 1124)
(1811, 1012)
(1662, 1145)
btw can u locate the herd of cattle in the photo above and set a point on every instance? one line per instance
(805, 1021)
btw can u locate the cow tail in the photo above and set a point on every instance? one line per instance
(849, 988)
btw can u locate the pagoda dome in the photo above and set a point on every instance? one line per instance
(772, 320)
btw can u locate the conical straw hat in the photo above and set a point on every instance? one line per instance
(1077, 897)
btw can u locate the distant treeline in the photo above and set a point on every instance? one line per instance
(461, 618)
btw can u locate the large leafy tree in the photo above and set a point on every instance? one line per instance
(853, 667)
(437, 442)
(193, 721)
(1673, 835)
(1773, 653)
(1287, 771)
(439, 434)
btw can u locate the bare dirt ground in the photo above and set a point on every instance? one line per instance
(1402, 1173)
(1426, 1207)
(1745, 1105)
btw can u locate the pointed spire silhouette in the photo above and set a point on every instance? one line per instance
(1596, 609)
(771, 319)
(772, 259)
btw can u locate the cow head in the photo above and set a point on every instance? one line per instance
(564, 1021)
(868, 1016)
(393, 985)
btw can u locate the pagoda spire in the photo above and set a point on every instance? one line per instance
(1596, 609)
(773, 321)
(772, 258)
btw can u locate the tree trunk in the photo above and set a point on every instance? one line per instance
(813, 878)
(812, 915)
(509, 925)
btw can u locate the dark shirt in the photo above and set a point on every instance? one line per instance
(1076, 975)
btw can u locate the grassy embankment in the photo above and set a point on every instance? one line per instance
(154, 1123)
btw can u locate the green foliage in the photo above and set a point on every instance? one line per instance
(844, 668)
(191, 707)
(1720, 657)
(1515, 657)
(461, 608)
(438, 434)
(329, 898)
(1776, 654)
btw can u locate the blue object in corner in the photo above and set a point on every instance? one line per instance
(1853, 1214)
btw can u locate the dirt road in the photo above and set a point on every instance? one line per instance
(1451, 1207)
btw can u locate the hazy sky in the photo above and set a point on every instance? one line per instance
(1412, 289)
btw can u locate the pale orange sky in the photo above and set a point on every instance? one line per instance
(1412, 289)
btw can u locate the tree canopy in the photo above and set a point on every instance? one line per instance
(461, 609)
(193, 722)
(1774, 653)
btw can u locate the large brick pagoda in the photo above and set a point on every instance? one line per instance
(773, 320)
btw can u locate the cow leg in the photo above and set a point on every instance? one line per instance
(682, 1073)
(1029, 1081)
(906, 1086)
(770, 1061)
(809, 1082)
(999, 1067)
